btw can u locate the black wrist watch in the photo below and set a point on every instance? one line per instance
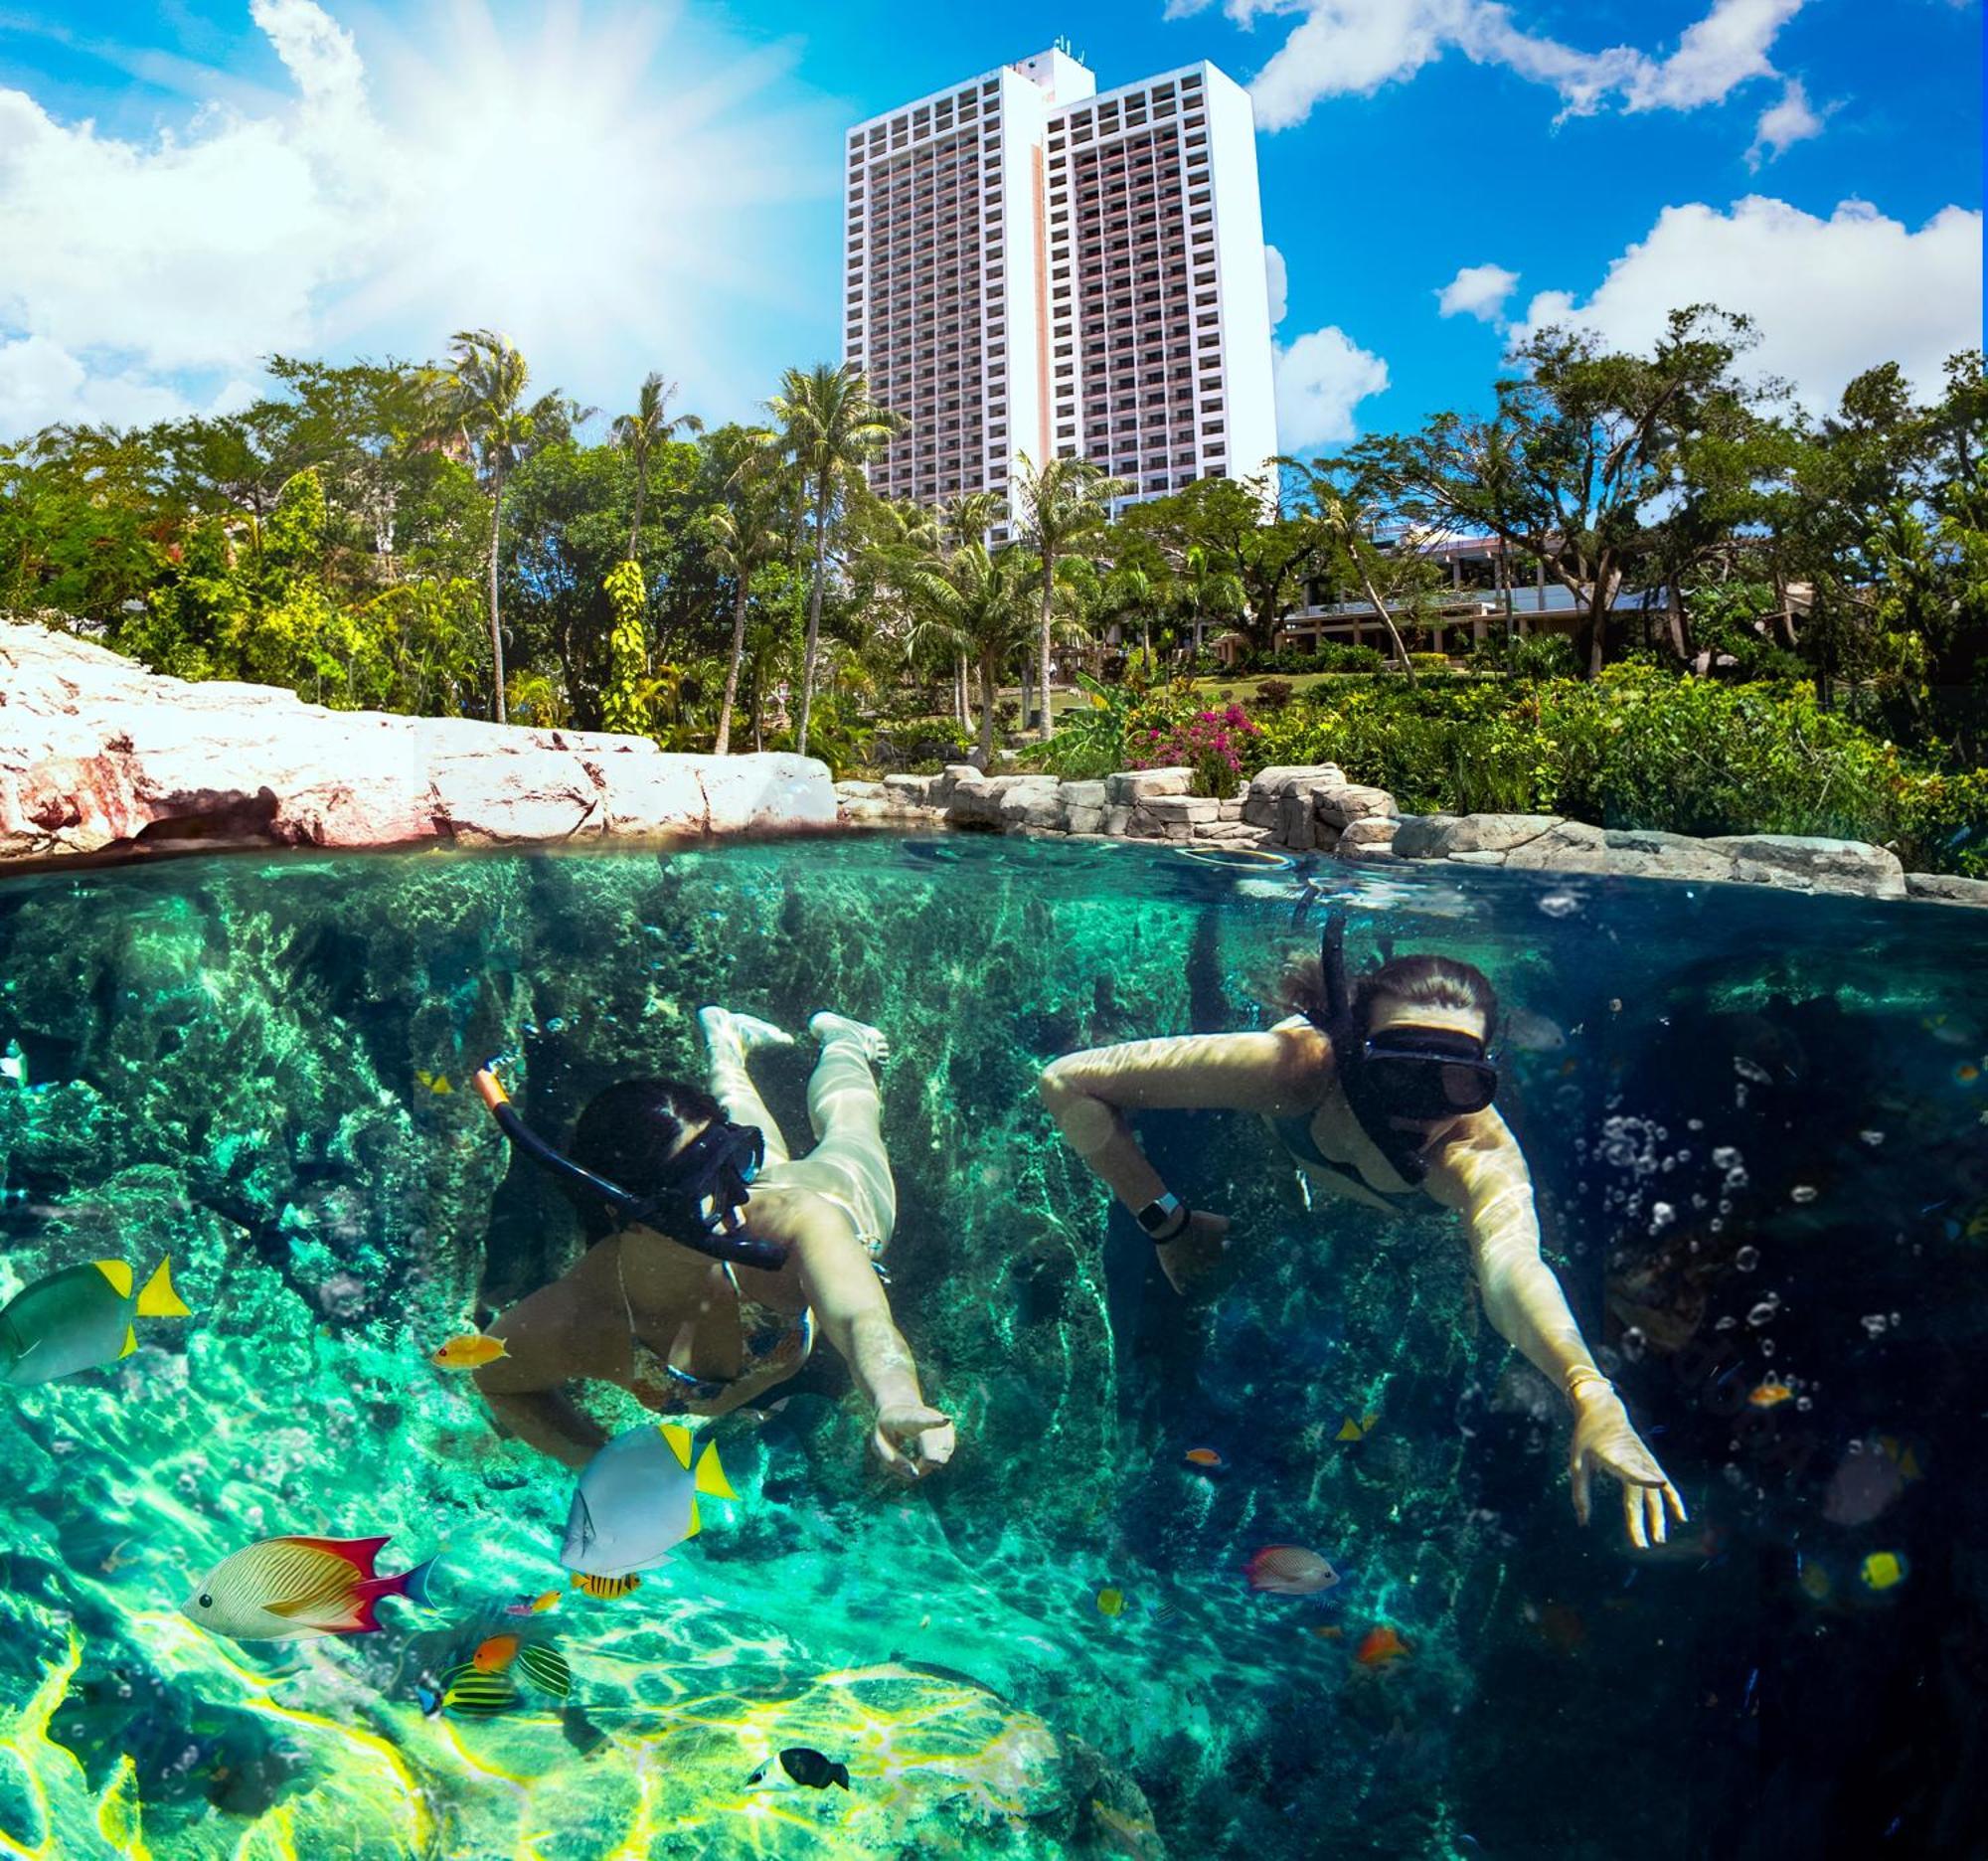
(1165, 1217)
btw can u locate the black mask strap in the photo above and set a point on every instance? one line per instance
(1338, 1024)
(720, 1149)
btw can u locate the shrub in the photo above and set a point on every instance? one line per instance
(1274, 694)
(1429, 662)
(1212, 743)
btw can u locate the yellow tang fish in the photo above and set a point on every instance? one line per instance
(467, 1352)
(1881, 1569)
(434, 1082)
(1110, 1602)
(1350, 1429)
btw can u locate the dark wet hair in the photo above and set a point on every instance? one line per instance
(1422, 981)
(628, 1134)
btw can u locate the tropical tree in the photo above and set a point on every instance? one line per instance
(1062, 502)
(747, 532)
(1580, 447)
(480, 398)
(826, 427)
(978, 605)
(1348, 505)
(639, 432)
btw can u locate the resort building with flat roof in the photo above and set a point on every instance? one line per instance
(1037, 268)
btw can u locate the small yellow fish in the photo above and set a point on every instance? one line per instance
(467, 1352)
(434, 1082)
(1350, 1429)
(1110, 1602)
(1770, 1395)
(1881, 1569)
(606, 1587)
(536, 1605)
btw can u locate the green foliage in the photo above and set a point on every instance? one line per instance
(1429, 662)
(1637, 748)
(628, 701)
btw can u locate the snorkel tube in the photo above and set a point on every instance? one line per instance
(698, 1209)
(1416, 1073)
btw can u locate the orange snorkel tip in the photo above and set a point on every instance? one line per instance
(490, 1089)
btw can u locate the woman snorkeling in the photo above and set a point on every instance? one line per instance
(1380, 1092)
(715, 1254)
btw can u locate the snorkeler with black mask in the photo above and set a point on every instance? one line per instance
(713, 1255)
(1380, 1090)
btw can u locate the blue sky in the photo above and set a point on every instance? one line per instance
(188, 186)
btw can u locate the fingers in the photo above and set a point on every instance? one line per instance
(1676, 1504)
(885, 1450)
(1632, 1516)
(1653, 1512)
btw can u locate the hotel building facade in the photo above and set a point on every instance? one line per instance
(1033, 267)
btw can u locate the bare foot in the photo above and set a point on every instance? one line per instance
(826, 1026)
(747, 1032)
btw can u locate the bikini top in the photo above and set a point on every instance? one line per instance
(1296, 1134)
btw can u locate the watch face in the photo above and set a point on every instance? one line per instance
(1156, 1215)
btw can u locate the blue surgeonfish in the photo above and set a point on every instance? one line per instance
(80, 1320)
(637, 1498)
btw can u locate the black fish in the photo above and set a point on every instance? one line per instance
(807, 1765)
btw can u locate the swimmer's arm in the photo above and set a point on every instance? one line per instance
(1274, 1073)
(1483, 1175)
(849, 1305)
(526, 1387)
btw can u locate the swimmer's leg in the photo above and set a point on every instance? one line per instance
(729, 1039)
(847, 1113)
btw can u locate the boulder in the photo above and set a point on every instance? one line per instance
(1267, 787)
(1805, 863)
(980, 802)
(911, 791)
(1366, 837)
(1085, 794)
(859, 792)
(1423, 836)
(1949, 887)
(1084, 821)
(1130, 786)
(1339, 807)
(1645, 853)
(1183, 811)
(1568, 846)
(100, 756)
(1032, 804)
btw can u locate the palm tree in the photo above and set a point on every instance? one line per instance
(1207, 587)
(1062, 501)
(977, 604)
(828, 428)
(481, 396)
(639, 432)
(1346, 515)
(747, 532)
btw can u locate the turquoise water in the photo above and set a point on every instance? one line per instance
(1756, 1122)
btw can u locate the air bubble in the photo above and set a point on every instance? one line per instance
(1763, 1312)
(1661, 1217)
(1748, 1259)
(1724, 1157)
(1803, 1192)
(1749, 1069)
(1634, 1343)
(1726, 1323)
(1872, 1137)
(1874, 1323)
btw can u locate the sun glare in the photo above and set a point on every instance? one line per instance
(597, 179)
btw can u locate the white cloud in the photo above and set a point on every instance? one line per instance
(1783, 124)
(1277, 276)
(1477, 291)
(1351, 48)
(1321, 379)
(1832, 297)
(598, 192)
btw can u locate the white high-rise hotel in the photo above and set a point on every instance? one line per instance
(1036, 269)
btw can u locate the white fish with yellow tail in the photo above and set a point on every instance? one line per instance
(81, 1319)
(637, 1499)
(280, 1588)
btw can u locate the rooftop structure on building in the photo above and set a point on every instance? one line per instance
(1034, 268)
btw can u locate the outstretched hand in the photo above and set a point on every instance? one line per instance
(1195, 1252)
(1603, 1439)
(913, 1441)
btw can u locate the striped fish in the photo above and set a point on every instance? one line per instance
(545, 1668)
(606, 1587)
(465, 1693)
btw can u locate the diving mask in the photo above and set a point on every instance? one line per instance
(1424, 1074)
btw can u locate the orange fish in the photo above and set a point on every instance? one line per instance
(467, 1352)
(495, 1654)
(537, 1606)
(1770, 1395)
(1379, 1646)
(1206, 1459)
(1329, 1631)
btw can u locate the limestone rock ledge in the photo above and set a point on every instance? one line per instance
(1316, 809)
(99, 755)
